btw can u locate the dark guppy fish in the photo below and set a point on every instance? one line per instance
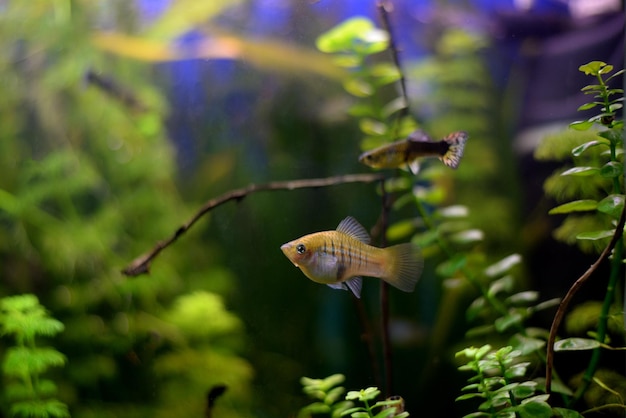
(418, 145)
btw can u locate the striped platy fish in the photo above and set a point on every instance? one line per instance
(339, 259)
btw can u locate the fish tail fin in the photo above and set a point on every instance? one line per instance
(456, 145)
(405, 266)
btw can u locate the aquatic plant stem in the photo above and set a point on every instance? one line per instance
(141, 264)
(560, 313)
(384, 8)
(603, 320)
(384, 297)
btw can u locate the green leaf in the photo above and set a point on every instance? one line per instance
(503, 284)
(503, 265)
(449, 267)
(595, 235)
(385, 73)
(581, 125)
(581, 171)
(524, 390)
(348, 60)
(394, 106)
(358, 87)
(341, 37)
(372, 127)
(587, 106)
(523, 298)
(534, 409)
(575, 206)
(612, 205)
(612, 169)
(576, 344)
(606, 69)
(511, 320)
(469, 236)
(526, 344)
(566, 413)
(576, 152)
(593, 67)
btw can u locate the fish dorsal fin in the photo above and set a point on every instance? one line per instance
(353, 228)
(419, 136)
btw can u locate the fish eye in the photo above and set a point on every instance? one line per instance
(300, 248)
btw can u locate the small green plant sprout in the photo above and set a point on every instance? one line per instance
(602, 95)
(26, 391)
(328, 396)
(499, 383)
(593, 185)
(392, 407)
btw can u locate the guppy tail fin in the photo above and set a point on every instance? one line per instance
(456, 145)
(405, 266)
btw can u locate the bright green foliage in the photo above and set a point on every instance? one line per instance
(595, 181)
(27, 393)
(88, 183)
(498, 384)
(328, 403)
(328, 396)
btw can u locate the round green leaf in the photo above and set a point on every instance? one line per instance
(612, 205)
(592, 68)
(576, 344)
(611, 169)
(575, 206)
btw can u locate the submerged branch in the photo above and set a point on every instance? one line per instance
(560, 313)
(141, 264)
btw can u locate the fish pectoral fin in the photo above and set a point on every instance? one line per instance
(339, 286)
(414, 166)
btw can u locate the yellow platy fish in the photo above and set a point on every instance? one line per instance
(339, 259)
(418, 145)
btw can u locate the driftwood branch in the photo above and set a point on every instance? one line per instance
(141, 264)
(560, 313)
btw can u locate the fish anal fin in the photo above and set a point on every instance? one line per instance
(414, 166)
(339, 286)
(354, 229)
(355, 284)
(405, 266)
(456, 145)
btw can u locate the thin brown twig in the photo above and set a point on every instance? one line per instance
(560, 313)
(384, 8)
(141, 264)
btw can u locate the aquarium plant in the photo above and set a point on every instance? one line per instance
(29, 392)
